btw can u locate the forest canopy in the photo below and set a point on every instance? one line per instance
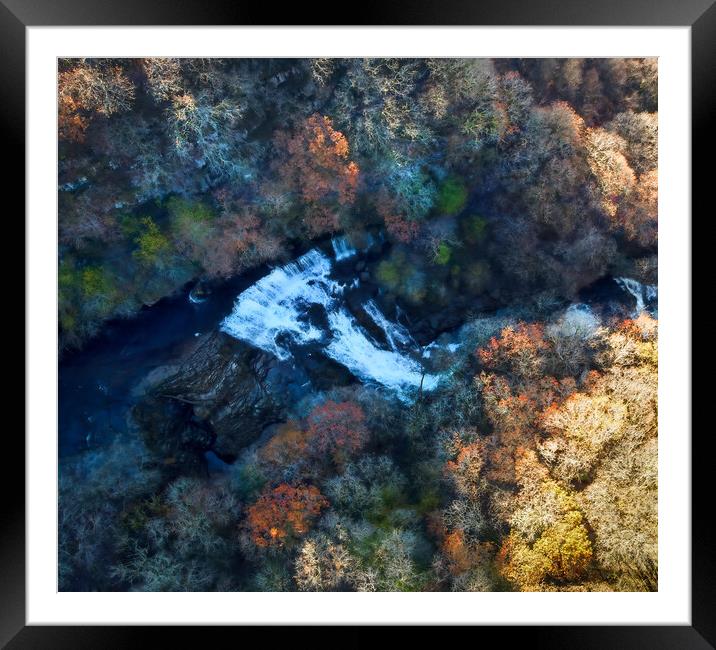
(514, 177)
(498, 192)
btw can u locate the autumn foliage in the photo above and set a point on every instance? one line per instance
(283, 514)
(286, 446)
(466, 470)
(315, 160)
(518, 350)
(86, 90)
(337, 429)
(548, 539)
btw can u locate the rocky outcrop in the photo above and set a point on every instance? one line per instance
(218, 396)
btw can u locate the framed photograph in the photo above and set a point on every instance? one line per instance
(358, 325)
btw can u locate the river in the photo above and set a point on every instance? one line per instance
(315, 306)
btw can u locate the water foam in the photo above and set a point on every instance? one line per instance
(273, 315)
(342, 249)
(642, 293)
(394, 332)
(274, 307)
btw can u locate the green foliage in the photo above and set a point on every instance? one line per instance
(483, 126)
(247, 480)
(387, 509)
(443, 254)
(193, 230)
(402, 276)
(86, 294)
(387, 559)
(183, 211)
(388, 274)
(69, 281)
(152, 244)
(413, 190)
(452, 196)
(130, 225)
(429, 501)
(95, 282)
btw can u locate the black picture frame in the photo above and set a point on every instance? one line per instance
(700, 15)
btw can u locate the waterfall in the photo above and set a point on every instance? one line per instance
(394, 332)
(643, 294)
(353, 348)
(342, 249)
(274, 307)
(278, 313)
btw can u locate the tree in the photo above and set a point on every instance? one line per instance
(204, 133)
(640, 132)
(466, 465)
(374, 101)
(519, 351)
(548, 538)
(191, 226)
(578, 431)
(152, 244)
(164, 78)
(322, 564)
(283, 514)
(387, 563)
(314, 160)
(622, 507)
(452, 196)
(401, 229)
(514, 417)
(337, 429)
(91, 88)
(621, 500)
(614, 177)
(288, 445)
(638, 214)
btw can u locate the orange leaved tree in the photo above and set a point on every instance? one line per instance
(337, 429)
(283, 514)
(315, 161)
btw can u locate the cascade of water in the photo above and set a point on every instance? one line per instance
(352, 347)
(274, 306)
(273, 315)
(642, 293)
(342, 249)
(394, 332)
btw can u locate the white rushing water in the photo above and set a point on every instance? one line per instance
(395, 333)
(642, 293)
(342, 248)
(275, 306)
(273, 315)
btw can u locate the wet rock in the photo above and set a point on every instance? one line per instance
(200, 292)
(173, 435)
(220, 388)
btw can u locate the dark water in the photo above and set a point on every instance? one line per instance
(95, 383)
